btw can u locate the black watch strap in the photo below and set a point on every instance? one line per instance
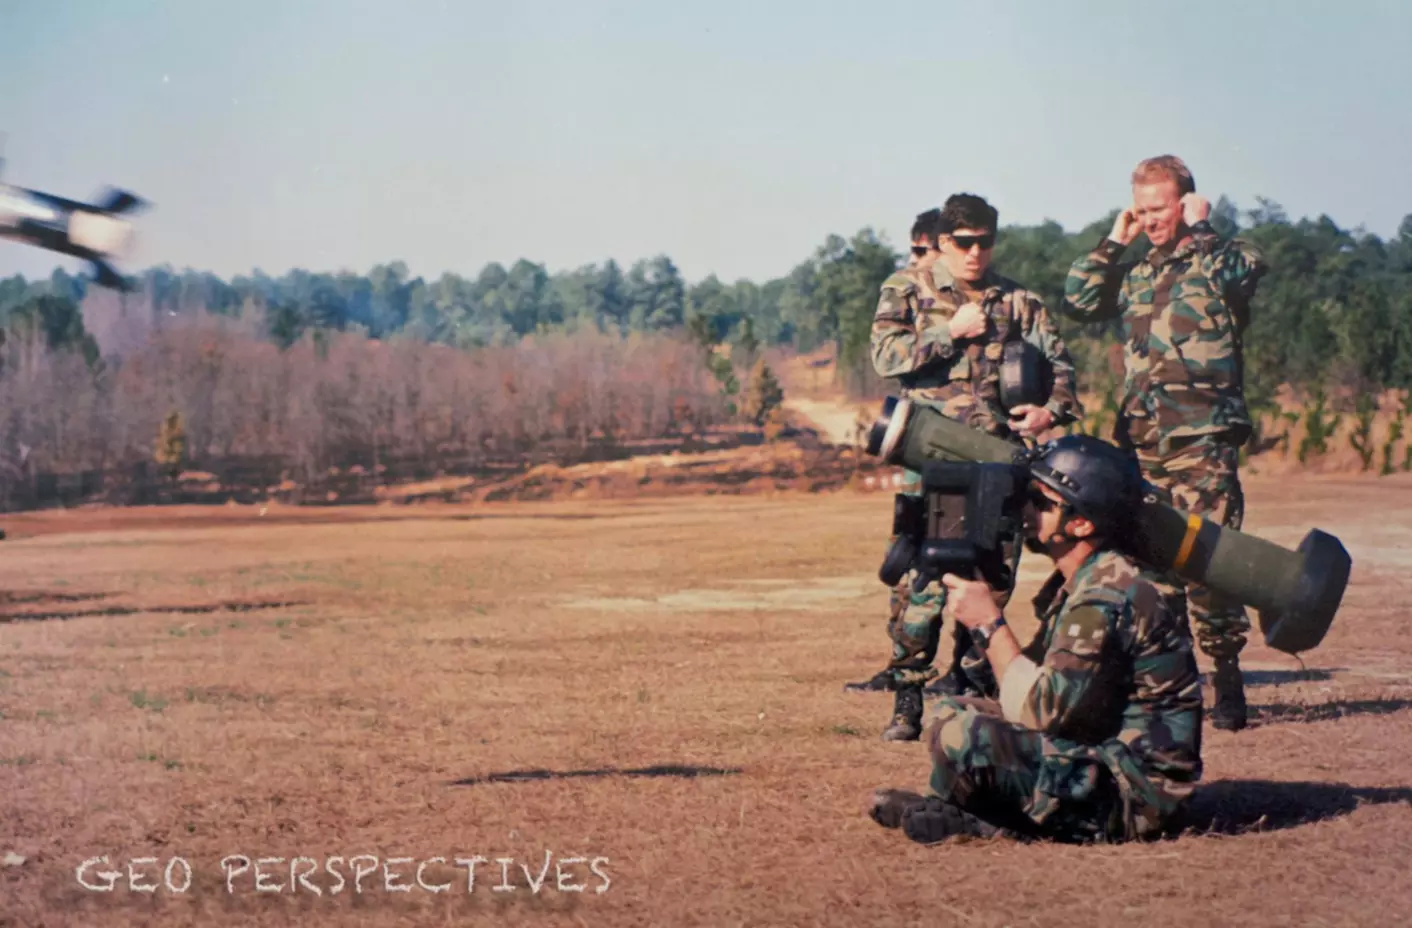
(983, 634)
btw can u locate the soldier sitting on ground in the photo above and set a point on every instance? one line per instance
(1097, 732)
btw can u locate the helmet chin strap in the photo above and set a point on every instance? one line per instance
(1058, 538)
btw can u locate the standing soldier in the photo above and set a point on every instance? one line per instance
(941, 327)
(1183, 307)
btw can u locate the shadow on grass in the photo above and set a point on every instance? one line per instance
(45, 597)
(1277, 677)
(1233, 807)
(661, 770)
(203, 609)
(1280, 712)
(531, 516)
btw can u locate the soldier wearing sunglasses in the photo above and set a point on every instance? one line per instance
(1095, 735)
(940, 328)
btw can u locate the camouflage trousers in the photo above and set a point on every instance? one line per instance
(915, 621)
(1202, 477)
(1041, 787)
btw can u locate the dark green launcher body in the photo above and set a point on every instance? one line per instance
(1295, 593)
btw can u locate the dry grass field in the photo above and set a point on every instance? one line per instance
(661, 679)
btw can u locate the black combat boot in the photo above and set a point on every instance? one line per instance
(1229, 713)
(968, 671)
(952, 684)
(889, 805)
(906, 714)
(928, 819)
(881, 683)
(936, 820)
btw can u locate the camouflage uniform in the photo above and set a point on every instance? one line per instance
(1183, 408)
(1103, 743)
(912, 342)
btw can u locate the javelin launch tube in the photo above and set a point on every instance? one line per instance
(1296, 593)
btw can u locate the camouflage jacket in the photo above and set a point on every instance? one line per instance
(1117, 682)
(1182, 318)
(912, 342)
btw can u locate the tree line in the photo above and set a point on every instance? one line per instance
(204, 392)
(320, 369)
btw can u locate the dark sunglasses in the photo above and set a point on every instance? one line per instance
(966, 242)
(921, 250)
(1042, 502)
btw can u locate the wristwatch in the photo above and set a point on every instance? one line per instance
(982, 634)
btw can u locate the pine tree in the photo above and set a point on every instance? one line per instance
(764, 395)
(170, 453)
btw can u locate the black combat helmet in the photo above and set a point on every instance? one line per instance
(1099, 481)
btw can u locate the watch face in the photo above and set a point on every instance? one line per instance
(984, 633)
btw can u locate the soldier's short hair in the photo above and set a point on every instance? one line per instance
(1165, 167)
(927, 226)
(968, 211)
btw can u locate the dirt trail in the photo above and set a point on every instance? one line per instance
(810, 392)
(835, 420)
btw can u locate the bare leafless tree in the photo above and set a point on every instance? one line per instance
(331, 400)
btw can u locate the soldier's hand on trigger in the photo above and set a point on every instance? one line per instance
(1195, 208)
(1125, 228)
(969, 322)
(972, 602)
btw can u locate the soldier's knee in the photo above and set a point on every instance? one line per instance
(947, 712)
(950, 730)
(947, 741)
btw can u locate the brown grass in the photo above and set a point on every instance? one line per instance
(418, 648)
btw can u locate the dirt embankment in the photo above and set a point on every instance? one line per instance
(798, 460)
(820, 448)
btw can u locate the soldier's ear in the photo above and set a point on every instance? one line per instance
(1081, 528)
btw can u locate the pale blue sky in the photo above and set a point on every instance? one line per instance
(732, 136)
